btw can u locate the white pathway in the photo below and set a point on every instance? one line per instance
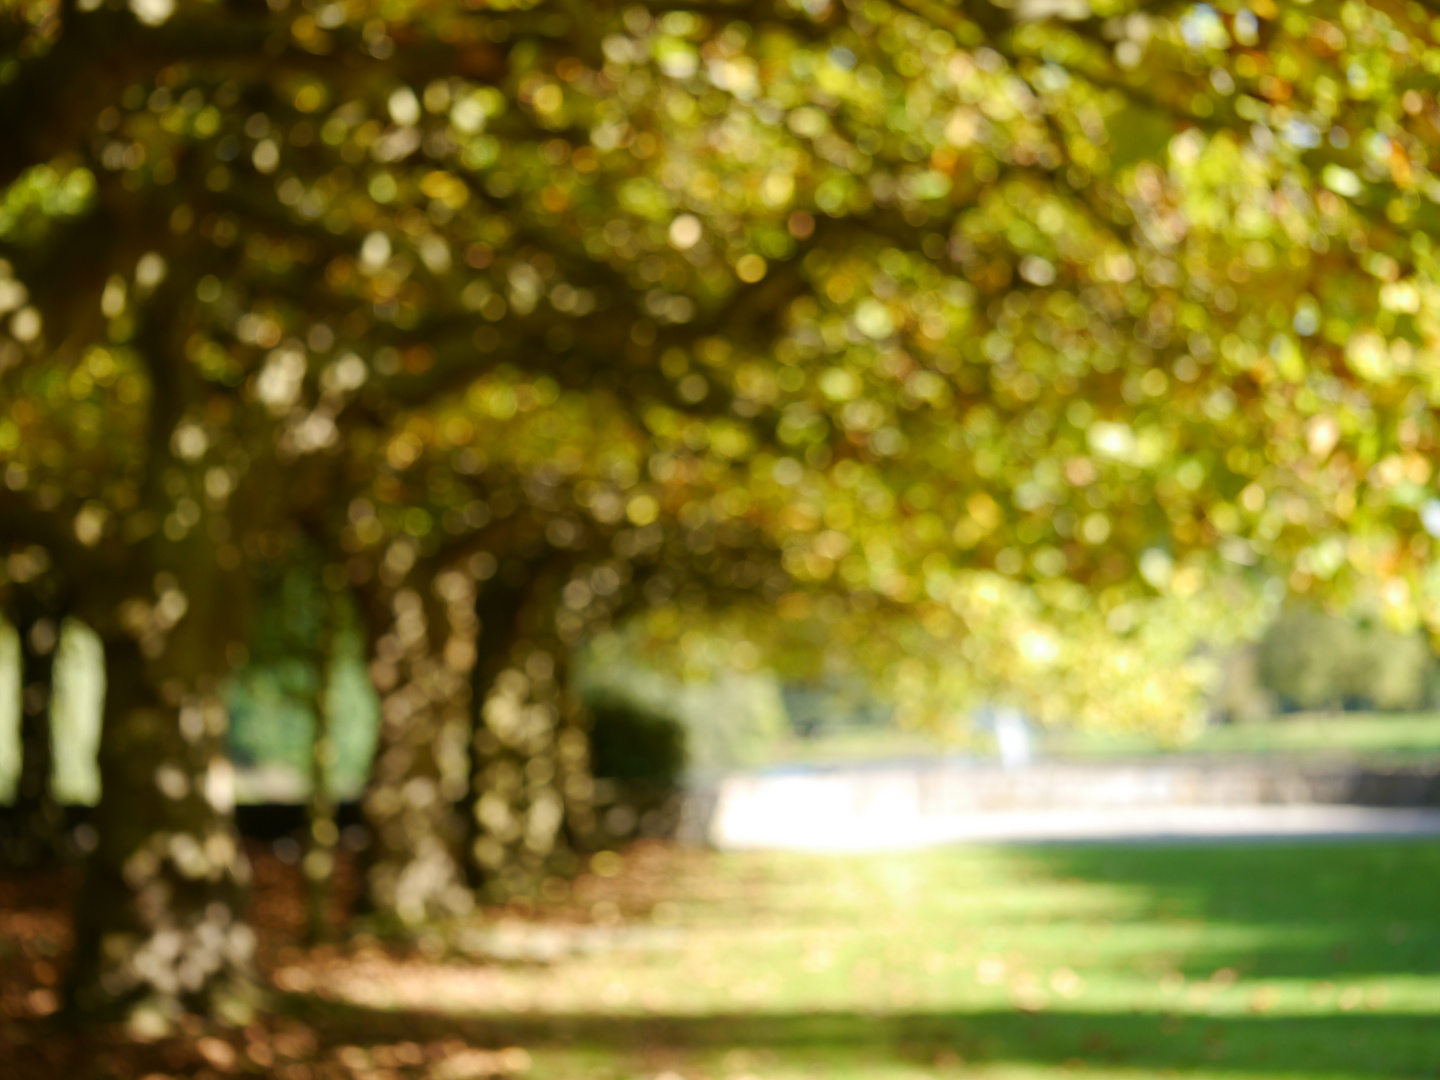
(825, 813)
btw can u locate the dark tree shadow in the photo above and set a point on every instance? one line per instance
(1324, 910)
(1355, 1044)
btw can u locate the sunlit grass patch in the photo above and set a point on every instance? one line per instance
(1318, 960)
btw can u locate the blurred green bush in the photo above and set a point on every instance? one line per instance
(1312, 660)
(635, 744)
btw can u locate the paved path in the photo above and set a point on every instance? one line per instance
(795, 813)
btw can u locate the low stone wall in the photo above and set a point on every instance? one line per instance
(950, 786)
(933, 801)
(958, 787)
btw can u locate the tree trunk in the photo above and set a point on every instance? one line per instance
(422, 658)
(319, 862)
(37, 825)
(532, 783)
(159, 927)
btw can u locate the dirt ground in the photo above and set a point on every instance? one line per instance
(287, 1042)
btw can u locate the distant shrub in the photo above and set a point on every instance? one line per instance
(1311, 660)
(636, 745)
(1241, 696)
(730, 721)
(639, 756)
(653, 735)
(1391, 671)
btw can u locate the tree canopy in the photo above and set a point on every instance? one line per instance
(987, 340)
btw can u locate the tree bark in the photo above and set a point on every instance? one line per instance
(532, 785)
(422, 659)
(319, 862)
(159, 927)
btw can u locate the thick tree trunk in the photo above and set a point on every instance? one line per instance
(499, 606)
(532, 784)
(422, 659)
(37, 823)
(158, 926)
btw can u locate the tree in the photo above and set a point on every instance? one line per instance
(880, 311)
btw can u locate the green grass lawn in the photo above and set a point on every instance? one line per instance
(1312, 960)
(1380, 737)
(1388, 736)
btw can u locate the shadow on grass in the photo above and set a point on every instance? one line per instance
(1318, 910)
(1346, 1045)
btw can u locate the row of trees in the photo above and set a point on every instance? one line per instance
(962, 336)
